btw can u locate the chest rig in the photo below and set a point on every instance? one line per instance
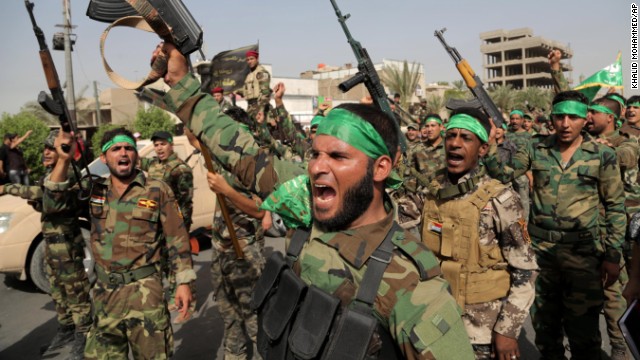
(477, 273)
(299, 321)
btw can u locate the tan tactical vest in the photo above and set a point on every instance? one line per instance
(476, 273)
(252, 85)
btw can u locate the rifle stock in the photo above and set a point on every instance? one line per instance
(472, 81)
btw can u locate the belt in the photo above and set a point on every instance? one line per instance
(561, 236)
(125, 277)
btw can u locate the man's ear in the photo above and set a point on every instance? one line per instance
(484, 148)
(382, 168)
(103, 158)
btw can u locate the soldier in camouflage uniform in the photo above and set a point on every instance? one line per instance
(64, 255)
(574, 177)
(495, 287)
(128, 213)
(352, 217)
(521, 138)
(432, 158)
(631, 126)
(218, 94)
(168, 167)
(601, 123)
(257, 87)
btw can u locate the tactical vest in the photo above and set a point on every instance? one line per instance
(296, 321)
(252, 85)
(476, 273)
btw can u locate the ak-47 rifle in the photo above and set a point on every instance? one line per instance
(366, 74)
(472, 80)
(186, 35)
(56, 104)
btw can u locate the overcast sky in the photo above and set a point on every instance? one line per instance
(296, 35)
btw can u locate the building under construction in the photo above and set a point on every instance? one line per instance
(518, 58)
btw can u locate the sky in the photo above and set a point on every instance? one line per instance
(297, 35)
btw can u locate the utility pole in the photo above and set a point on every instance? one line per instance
(71, 95)
(95, 94)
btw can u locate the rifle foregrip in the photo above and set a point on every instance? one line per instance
(350, 83)
(49, 70)
(467, 73)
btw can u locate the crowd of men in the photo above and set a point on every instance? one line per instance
(438, 252)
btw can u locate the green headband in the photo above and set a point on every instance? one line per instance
(353, 130)
(504, 126)
(468, 122)
(316, 121)
(516, 112)
(118, 139)
(570, 107)
(617, 98)
(635, 104)
(433, 118)
(602, 109)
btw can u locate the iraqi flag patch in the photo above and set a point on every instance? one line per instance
(98, 200)
(435, 227)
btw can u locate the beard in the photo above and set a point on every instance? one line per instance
(122, 176)
(356, 201)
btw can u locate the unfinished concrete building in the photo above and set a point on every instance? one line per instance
(518, 58)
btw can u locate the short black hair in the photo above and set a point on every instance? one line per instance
(238, 114)
(477, 114)
(633, 99)
(110, 134)
(380, 121)
(570, 95)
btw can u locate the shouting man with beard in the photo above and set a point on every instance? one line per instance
(129, 212)
(353, 260)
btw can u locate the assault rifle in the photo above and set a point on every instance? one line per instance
(472, 80)
(185, 31)
(55, 104)
(366, 74)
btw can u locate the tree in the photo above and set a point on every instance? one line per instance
(534, 97)
(36, 109)
(503, 96)
(435, 103)
(32, 146)
(154, 119)
(402, 80)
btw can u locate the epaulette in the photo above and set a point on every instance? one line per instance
(424, 260)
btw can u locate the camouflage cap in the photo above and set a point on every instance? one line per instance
(51, 139)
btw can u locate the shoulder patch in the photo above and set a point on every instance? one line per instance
(504, 196)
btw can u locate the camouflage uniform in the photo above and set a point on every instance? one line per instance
(412, 298)
(501, 228)
(232, 145)
(631, 130)
(178, 175)
(283, 139)
(124, 240)
(225, 105)
(64, 255)
(431, 159)
(521, 139)
(615, 304)
(257, 91)
(564, 231)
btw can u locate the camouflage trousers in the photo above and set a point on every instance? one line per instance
(133, 315)
(569, 298)
(479, 320)
(233, 282)
(614, 306)
(68, 280)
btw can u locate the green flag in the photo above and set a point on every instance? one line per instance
(611, 76)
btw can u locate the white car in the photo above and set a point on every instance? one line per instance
(22, 251)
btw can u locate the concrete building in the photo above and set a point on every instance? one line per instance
(519, 58)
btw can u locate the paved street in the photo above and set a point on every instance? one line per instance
(27, 320)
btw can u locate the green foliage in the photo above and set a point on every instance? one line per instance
(97, 137)
(154, 119)
(435, 103)
(503, 96)
(443, 83)
(32, 146)
(402, 80)
(534, 97)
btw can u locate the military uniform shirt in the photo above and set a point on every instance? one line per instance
(406, 305)
(567, 198)
(125, 229)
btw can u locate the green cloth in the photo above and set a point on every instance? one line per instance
(316, 120)
(292, 201)
(635, 104)
(610, 76)
(353, 130)
(433, 118)
(602, 109)
(516, 112)
(118, 139)
(468, 122)
(570, 107)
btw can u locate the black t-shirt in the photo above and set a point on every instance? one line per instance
(15, 159)
(5, 164)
